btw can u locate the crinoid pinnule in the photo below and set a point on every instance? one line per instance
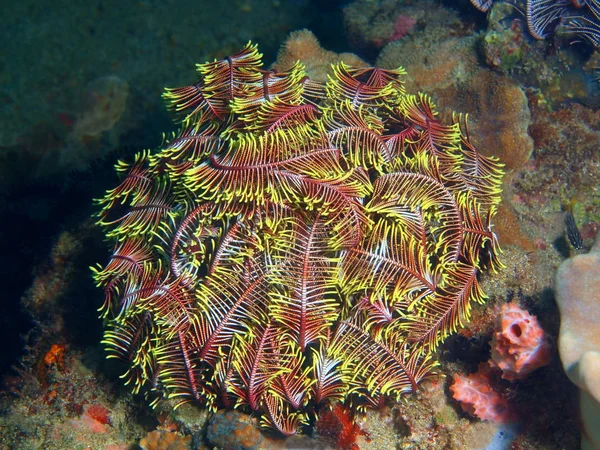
(295, 243)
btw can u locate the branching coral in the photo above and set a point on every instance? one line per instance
(296, 243)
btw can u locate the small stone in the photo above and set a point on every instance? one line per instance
(234, 431)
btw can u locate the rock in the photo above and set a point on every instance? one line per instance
(234, 430)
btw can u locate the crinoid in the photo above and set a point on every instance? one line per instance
(295, 243)
(580, 18)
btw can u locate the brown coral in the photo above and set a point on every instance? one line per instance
(303, 46)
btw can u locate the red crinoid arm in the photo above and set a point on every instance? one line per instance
(229, 77)
(378, 313)
(221, 383)
(480, 246)
(263, 172)
(439, 315)
(191, 144)
(340, 204)
(137, 183)
(189, 231)
(358, 134)
(144, 215)
(331, 383)
(482, 175)
(134, 289)
(131, 340)
(293, 386)
(182, 372)
(396, 143)
(398, 273)
(257, 169)
(363, 86)
(305, 306)
(277, 115)
(230, 244)
(282, 87)
(482, 5)
(128, 258)
(256, 364)
(227, 304)
(172, 302)
(378, 77)
(222, 81)
(440, 139)
(418, 192)
(379, 366)
(280, 417)
(192, 102)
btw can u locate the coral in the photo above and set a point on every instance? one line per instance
(61, 398)
(555, 71)
(564, 171)
(371, 25)
(106, 102)
(508, 228)
(503, 45)
(71, 141)
(32, 100)
(96, 122)
(303, 46)
(520, 345)
(339, 425)
(55, 356)
(53, 359)
(296, 243)
(578, 298)
(477, 397)
(99, 413)
(94, 419)
(165, 440)
(53, 278)
(402, 26)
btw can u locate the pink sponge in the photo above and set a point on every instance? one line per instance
(477, 398)
(520, 346)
